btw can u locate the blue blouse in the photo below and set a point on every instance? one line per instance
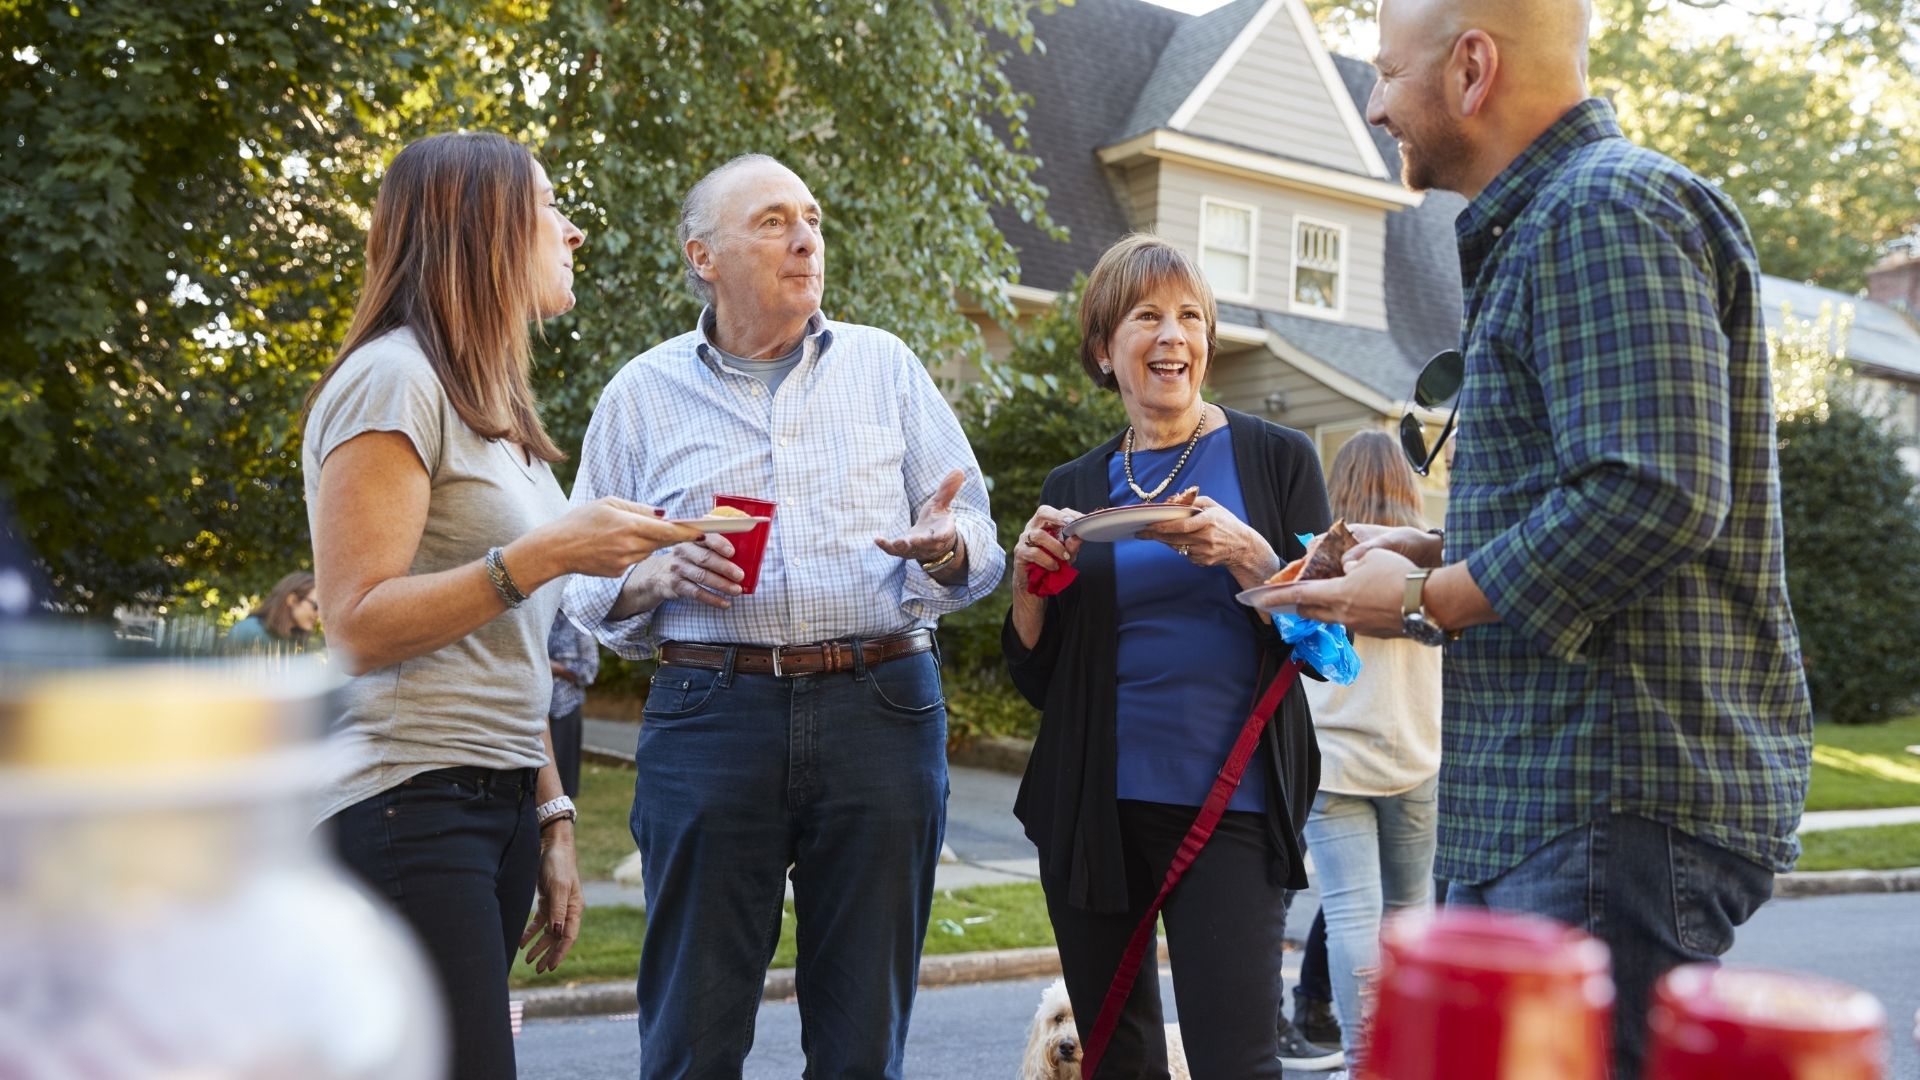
(1187, 655)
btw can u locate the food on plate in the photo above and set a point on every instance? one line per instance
(727, 511)
(1184, 498)
(1324, 557)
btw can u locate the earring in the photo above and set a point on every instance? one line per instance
(1106, 369)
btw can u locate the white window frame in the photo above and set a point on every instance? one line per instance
(1339, 310)
(1252, 253)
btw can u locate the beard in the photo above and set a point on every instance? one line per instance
(1435, 159)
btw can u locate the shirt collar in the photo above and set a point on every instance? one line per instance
(706, 350)
(1495, 208)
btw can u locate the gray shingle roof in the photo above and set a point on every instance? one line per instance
(1879, 336)
(1099, 55)
(1183, 63)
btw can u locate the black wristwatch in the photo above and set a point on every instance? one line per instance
(1413, 613)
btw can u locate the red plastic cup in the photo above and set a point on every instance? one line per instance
(1743, 1023)
(1470, 994)
(749, 546)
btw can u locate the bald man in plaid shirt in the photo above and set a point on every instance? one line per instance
(1627, 728)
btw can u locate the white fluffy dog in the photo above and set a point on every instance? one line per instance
(1053, 1043)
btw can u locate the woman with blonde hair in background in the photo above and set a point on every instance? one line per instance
(438, 534)
(1373, 823)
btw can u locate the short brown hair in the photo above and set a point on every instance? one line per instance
(1371, 482)
(450, 255)
(1130, 269)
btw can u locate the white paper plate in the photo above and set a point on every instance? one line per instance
(1121, 522)
(1256, 596)
(723, 523)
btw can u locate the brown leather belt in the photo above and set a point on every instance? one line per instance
(820, 658)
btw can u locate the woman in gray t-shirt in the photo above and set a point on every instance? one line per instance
(437, 530)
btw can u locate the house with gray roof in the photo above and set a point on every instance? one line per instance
(1236, 135)
(1239, 137)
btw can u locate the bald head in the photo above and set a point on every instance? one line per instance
(1540, 41)
(1466, 85)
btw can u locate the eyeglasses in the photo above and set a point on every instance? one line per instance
(1438, 381)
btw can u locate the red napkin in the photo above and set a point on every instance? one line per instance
(1049, 582)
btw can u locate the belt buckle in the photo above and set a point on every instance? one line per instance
(777, 673)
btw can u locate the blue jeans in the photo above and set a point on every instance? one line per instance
(456, 853)
(1371, 854)
(1658, 897)
(843, 777)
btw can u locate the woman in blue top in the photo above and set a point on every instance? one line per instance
(285, 620)
(1145, 669)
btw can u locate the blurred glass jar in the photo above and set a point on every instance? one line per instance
(166, 909)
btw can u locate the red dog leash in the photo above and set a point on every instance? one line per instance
(1197, 836)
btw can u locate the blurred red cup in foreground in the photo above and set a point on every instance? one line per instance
(1739, 1023)
(749, 546)
(1470, 994)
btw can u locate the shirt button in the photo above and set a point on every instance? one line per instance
(1499, 230)
(784, 440)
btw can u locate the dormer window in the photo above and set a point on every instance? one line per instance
(1319, 265)
(1227, 230)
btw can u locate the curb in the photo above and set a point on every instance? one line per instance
(1000, 753)
(1841, 882)
(957, 969)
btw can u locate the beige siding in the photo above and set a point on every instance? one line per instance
(1274, 100)
(1182, 186)
(1143, 197)
(1244, 380)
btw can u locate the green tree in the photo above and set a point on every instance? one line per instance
(1852, 526)
(185, 189)
(1029, 414)
(893, 114)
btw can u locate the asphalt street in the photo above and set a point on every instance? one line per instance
(976, 1032)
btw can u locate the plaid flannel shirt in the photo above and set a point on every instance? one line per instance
(1615, 493)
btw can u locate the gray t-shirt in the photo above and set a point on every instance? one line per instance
(483, 699)
(771, 372)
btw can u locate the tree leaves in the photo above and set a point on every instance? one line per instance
(186, 186)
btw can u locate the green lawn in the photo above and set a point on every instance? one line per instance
(979, 919)
(1863, 766)
(600, 836)
(1879, 847)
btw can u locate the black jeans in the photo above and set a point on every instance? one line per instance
(1225, 921)
(456, 852)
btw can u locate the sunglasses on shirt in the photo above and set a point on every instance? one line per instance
(1438, 381)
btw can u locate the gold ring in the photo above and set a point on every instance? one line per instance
(1182, 549)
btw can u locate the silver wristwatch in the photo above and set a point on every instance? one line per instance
(1413, 613)
(553, 810)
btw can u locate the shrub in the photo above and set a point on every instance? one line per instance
(1029, 413)
(1852, 531)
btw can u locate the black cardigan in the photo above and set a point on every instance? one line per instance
(1067, 799)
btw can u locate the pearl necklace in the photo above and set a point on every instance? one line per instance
(1126, 460)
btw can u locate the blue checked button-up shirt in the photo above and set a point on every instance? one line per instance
(579, 654)
(1615, 493)
(851, 448)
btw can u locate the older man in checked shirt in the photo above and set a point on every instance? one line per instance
(801, 725)
(1627, 728)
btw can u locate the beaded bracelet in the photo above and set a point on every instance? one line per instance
(510, 593)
